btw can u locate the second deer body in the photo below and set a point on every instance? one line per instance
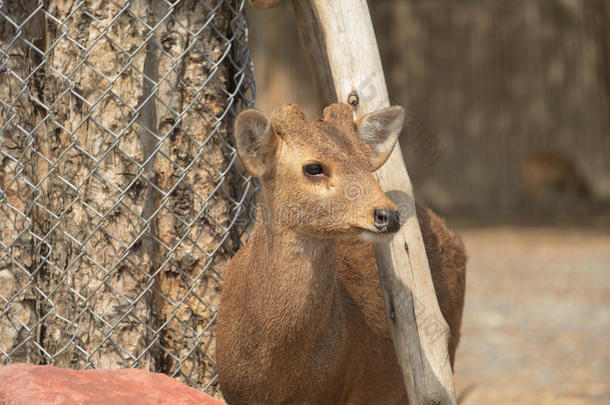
(302, 318)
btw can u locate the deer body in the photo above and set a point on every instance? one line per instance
(302, 317)
(549, 175)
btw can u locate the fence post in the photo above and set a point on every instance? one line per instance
(339, 39)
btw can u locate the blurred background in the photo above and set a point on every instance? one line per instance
(508, 137)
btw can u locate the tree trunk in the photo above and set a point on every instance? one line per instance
(194, 204)
(118, 185)
(18, 316)
(92, 214)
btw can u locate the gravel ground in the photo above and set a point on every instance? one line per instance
(537, 317)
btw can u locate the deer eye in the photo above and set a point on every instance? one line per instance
(313, 169)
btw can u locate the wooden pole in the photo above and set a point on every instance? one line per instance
(340, 43)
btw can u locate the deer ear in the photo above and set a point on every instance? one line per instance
(254, 140)
(380, 130)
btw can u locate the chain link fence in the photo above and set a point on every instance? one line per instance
(120, 196)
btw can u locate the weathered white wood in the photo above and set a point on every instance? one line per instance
(341, 32)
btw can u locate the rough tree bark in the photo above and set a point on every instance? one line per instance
(18, 316)
(193, 183)
(118, 162)
(96, 267)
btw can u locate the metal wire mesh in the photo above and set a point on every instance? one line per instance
(121, 201)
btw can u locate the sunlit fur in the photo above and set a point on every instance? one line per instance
(302, 318)
(372, 237)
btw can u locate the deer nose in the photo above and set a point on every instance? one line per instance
(386, 220)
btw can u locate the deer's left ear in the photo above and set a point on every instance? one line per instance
(380, 130)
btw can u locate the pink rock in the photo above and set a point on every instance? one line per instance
(27, 384)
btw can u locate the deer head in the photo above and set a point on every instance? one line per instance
(317, 177)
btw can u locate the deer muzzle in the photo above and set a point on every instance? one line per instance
(386, 221)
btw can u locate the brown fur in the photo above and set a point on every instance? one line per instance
(550, 173)
(302, 318)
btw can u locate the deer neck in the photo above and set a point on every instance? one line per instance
(297, 283)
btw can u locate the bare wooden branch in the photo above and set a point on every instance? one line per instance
(338, 36)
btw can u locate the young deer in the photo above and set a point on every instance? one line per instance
(550, 176)
(302, 317)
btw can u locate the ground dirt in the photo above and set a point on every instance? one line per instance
(537, 316)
